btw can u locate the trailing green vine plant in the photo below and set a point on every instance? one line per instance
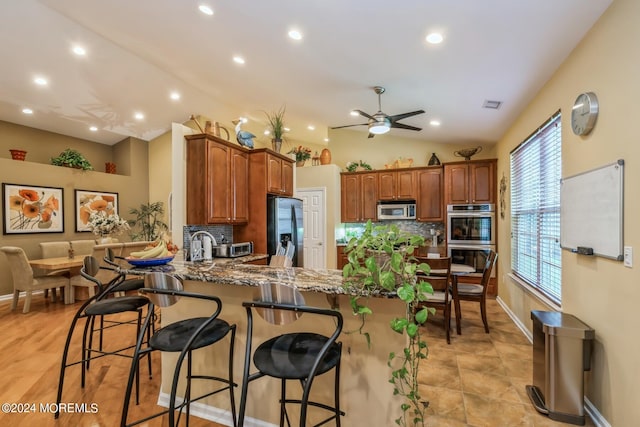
(382, 261)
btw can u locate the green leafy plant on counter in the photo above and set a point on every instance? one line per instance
(72, 159)
(147, 225)
(381, 260)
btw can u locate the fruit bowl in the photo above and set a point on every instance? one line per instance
(147, 262)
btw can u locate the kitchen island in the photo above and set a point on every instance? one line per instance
(365, 393)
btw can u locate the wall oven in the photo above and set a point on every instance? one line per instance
(471, 224)
(472, 255)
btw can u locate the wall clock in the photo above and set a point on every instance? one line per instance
(584, 113)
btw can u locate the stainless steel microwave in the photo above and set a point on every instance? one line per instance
(400, 210)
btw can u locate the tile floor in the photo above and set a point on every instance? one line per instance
(479, 379)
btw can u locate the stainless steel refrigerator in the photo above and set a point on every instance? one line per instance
(284, 224)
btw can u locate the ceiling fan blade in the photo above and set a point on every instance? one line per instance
(363, 114)
(371, 135)
(348, 126)
(405, 115)
(403, 126)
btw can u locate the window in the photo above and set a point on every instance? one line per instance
(536, 169)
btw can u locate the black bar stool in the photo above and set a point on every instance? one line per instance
(100, 305)
(294, 356)
(182, 337)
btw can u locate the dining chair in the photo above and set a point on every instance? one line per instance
(54, 250)
(100, 305)
(440, 278)
(298, 356)
(82, 247)
(474, 292)
(181, 337)
(24, 279)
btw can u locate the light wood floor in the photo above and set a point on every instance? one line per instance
(476, 381)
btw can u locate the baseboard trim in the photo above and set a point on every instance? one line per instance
(594, 414)
(589, 407)
(211, 413)
(515, 319)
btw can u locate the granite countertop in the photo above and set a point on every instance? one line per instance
(234, 271)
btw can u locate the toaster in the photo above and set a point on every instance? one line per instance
(232, 250)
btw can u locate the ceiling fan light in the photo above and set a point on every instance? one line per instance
(379, 128)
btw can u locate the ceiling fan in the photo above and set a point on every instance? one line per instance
(380, 122)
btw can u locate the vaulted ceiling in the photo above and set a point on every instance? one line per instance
(138, 52)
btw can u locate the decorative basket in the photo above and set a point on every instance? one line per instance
(18, 154)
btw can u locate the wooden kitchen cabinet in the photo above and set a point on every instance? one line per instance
(396, 185)
(430, 189)
(359, 196)
(279, 175)
(342, 258)
(269, 173)
(217, 181)
(470, 182)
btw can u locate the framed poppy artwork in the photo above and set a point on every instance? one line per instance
(91, 202)
(31, 209)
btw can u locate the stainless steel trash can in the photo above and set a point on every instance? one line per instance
(561, 353)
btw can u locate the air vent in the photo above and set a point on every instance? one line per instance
(492, 104)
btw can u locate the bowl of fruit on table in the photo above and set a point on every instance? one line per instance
(157, 253)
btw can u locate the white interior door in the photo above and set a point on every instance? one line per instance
(314, 208)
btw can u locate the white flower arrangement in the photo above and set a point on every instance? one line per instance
(102, 224)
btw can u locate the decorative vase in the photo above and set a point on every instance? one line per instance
(110, 167)
(276, 145)
(18, 154)
(325, 157)
(300, 163)
(103, 239)
(434, 160)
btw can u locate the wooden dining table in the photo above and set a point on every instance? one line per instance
(61, 263)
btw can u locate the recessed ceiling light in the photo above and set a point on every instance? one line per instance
(354, 113)
(311, 127)
(139, 116)
(494, 105)
(287, 130)
(27, 111)
(326, 140)
(175, 96)
(205, 9)
(79, 50)
(434, 38)
(267, 132)
(93, 129)
(434, 123)
(41, 81)
(244, 119)
(295, 35)
(238, 60)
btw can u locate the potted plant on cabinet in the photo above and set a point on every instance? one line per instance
(72, 159)
(302, 154)
(147, 224)
(381, 260)
(276, 128)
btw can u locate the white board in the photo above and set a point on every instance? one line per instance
(591, 211)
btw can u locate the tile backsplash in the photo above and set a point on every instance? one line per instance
(217, 231)
(346, 231)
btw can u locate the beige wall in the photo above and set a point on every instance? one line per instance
(601, 292)
(131, 184)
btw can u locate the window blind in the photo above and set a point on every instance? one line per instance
(536, 169)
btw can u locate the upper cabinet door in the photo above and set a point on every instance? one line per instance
(482, 182)
(430, 183)
(219, 183)
(287, 178)
(405, 185)
(274, 175)
(457, 183)
(350, 195)
(369, 197)
(387, 185)
(240, 186)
